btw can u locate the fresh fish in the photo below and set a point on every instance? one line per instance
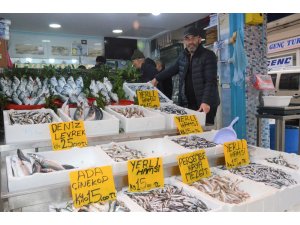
(101, 87)
(68, 167)
(16, 83)
(193, 142)
(94, 89)
(79, 82)
(94, 113)
(38, 82)
(67, 90)
(281, 161)
(62, 82)
(29, 86)
(79, 112)
(129, 111)
(59, 89)
(15, 99)
(107, 84)
(53, 81)
(113, 96)
(172, 109)
(30, 117)
(65, 107)
(45, 163)
(71, 82)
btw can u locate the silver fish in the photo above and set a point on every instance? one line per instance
(94, 113)
(281, 161)
(71, 82)
(16, 83)
(79, 112)
(79, 82)
(53, 81)
(62, 82)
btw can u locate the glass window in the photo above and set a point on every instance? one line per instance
(274, 76)
(289, 81)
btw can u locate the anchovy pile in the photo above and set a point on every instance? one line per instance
(193, 142)
(30, 117)
(130, 112)
(143, 87)
(172, 109)
(25, 165)
(168, 199)
(105, 89)
(110, 206)
(268, 175)
(222, 188)
(282, 162)
(121, 153)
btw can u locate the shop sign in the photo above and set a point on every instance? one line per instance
(280, 62)
(148, 98)
(145, 174)
(92, 185)
(193, 166)
(283, 45)
(236, 154)
(188, 124)
(67, 135)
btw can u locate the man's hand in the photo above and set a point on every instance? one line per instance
(204, 107)
(154, 82)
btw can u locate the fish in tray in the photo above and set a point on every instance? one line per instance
(172, 109)
(168, 199)
(94, 113)
(30, 163)
(130, 112)
(110, 206)
(193, 142)
(121, 153)
(268, 175)
(30, 117)
(135, 88)
(222, 188)
(279, 160)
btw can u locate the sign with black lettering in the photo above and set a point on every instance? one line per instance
(148, 98)
(236, 154)
(193, 166)
(68, 135)
(92, 185)
(145, 174)
(188, 124)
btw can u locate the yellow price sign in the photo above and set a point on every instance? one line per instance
(145, 174)
(92, 185)
(188, 124)
(67, 135)
(193, 166)
(236, 154)
(148, 98)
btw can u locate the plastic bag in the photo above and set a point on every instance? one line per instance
(263, 82)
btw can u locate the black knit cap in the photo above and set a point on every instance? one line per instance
(137, 54)
(191, 31)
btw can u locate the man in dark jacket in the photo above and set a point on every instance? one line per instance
(197, 69)
(100, 61)
(167, 84)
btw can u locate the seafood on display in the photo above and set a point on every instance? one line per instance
(172, 109)
(30, 117)
(222, 188)
(142, 87)
(110, 206)
(121, 153)
(31, 163)
(168, 199)
(94, 113)
(105, 89)
(279, 160)
(129, 112)
(193, 142)
(268, 175)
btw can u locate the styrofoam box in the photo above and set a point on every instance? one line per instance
(151, 122)
(131, 93)
(262, 198)
(158, 147)
(216, 150)
(29, 132)
(279, 101)
(170, 123)
(80, 158)
(211, 203)
(107, 126)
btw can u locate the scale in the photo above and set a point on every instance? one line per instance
(291, 109)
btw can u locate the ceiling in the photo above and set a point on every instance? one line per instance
(101, 24)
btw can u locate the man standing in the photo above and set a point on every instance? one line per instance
(197, 69)
(100, 61)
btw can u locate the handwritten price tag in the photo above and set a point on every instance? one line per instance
(67, 135)
(92, 185)
(193, 166)
(148, 98)
(236, 154)
(188, 124)
(145, 174)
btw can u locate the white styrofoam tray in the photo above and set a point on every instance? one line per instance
(131, 93)
(151, 122)
(107, 126)
(158, 147)
(216, 150)
(277, 101)
(29, 132)
(81, 158)
(169, 118)
(211, 203)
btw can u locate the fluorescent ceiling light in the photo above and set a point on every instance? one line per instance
(54, 25)
(51, 60)
(98, 44)
(46, 41)
(117, 31)
(155, 14)
(28, 60)
(74, 60)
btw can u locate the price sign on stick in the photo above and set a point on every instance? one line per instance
(148, 98)
(193, 166)
(92, 185)
(188, 124)
(236, 154)
(67, 135)
(145, 174)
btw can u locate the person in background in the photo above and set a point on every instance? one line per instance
(100, 61)
(197, 69)
(167, 85)
(82, 67)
